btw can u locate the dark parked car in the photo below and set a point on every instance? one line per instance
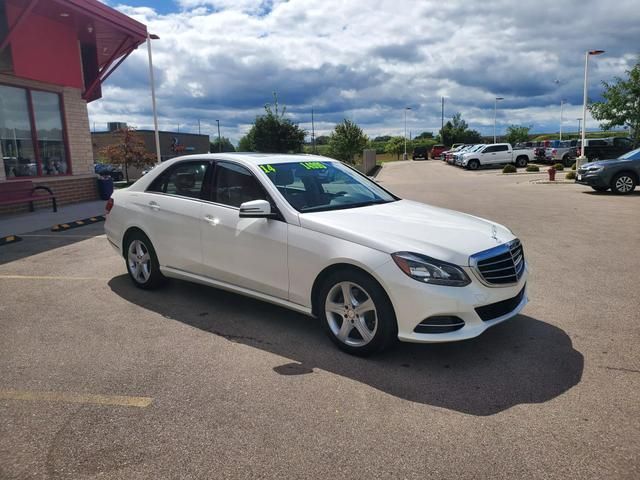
(602, 148)
(108, 170)
(421, 153)
(621, 175)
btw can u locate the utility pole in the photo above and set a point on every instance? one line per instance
(442, 121)
(219, 139)
(313, 132)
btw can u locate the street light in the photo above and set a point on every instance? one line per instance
(582, 159)
(405, 132)
(495, 116)
(150, 37)
(562, 102)
(579, 123)
(219, 140)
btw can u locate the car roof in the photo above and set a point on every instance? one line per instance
(258, 158)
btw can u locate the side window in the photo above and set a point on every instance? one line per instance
(622, 142)
(184, 179)
(489, 150)
(233, 185)
(502, 148)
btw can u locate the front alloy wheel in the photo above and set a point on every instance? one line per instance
(351, 314)
(623, 184)
(142, 262)
(356, 312)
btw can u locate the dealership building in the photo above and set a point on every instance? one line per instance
(54, 56)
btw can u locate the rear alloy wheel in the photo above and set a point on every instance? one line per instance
(473, 165)
(356, 313)
(623, 184)
(521, 162)
(142, 262)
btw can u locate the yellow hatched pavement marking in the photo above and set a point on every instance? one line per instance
(69, 397)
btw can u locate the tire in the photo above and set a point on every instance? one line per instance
(142, 262)
(567, 161)
(473, 165)
(521, 162)
(623, 184)
(600, 189)
(370, 330)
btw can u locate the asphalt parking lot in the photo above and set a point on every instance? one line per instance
(100, 379)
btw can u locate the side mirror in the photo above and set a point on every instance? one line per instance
(256, 209)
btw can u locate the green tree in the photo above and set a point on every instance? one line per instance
(347, 140)
(272, 133)
(424, 135)
(227, 146)
(246, 143)
(128, 150)
(621, 105)
(516, 134)
(395, 146)
(457, 130)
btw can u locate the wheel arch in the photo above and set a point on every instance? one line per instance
(335, 267)
(127, 233)
(631, 173)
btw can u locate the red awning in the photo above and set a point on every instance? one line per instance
(48, 35)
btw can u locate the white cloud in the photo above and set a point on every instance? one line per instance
(222, 59)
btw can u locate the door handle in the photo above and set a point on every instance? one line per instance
(211, 220)
(154, 206)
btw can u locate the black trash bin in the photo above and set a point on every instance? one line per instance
(105, 187)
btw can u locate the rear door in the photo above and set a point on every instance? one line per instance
(173, 203)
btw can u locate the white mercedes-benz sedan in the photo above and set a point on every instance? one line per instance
(314, 235)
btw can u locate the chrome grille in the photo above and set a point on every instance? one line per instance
(502, 265)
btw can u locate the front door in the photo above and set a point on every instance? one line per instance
(245, 252)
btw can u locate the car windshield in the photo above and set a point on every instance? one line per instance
(632, 155)
(319, 186)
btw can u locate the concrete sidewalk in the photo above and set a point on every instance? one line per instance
(45, 218)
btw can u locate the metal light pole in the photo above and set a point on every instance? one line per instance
(561, 118)
(442, 117)
(495, 116)
(219, 139)
(313, 132)
(579, 123)
(405, 132)
(153, 96)
(582, 159)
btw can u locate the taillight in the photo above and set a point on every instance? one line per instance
(554, 151)
(109, 205)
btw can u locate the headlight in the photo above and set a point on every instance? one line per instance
(429, 270)
(595, 169)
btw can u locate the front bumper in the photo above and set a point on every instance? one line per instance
(414, 302)
(592, 179)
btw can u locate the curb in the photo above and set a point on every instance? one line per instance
(9, 239)
(78, 223)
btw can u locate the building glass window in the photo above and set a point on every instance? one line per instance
(46, 109)
(16, 136)
(32, 146)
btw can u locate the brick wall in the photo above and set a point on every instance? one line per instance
(78, 132)
(66, 189)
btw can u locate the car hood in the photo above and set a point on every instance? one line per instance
(608, 163)
(406, 225)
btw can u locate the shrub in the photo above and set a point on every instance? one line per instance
(558, 166)
(533, 168)
(573, 167)
(509, 169)
(570, 175)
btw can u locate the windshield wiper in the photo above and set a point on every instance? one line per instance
(324, 208)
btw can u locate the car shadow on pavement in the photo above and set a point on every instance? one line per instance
(520, 361)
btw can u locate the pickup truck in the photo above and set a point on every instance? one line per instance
(604, 148)
(496, 154)
(561, 152)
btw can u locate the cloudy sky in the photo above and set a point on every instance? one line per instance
(367, 61)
